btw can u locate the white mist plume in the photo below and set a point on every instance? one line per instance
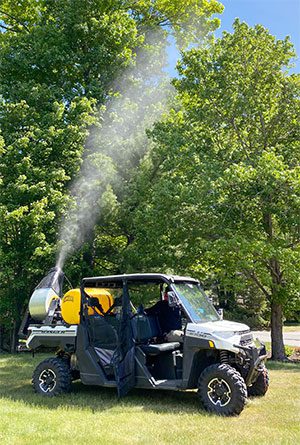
(114, 149)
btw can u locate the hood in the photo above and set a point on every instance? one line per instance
(223, 326)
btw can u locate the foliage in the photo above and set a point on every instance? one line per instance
(58, 65)
(220, 191)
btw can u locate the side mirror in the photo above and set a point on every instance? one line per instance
(221, 313)
(173, 299)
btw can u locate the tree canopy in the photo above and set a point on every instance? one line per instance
(58, 65)
(214, 190)
(219, 193)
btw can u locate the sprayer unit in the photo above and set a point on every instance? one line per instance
(44, 303)
(52, 316)
(47, 294)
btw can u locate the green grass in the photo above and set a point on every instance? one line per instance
(289, 350)
(93, 415)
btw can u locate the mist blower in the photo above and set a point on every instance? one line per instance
(54, 314)
(47, 295)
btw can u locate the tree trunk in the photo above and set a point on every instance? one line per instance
(278, 352)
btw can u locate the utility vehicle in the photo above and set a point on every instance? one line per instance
(103, 338)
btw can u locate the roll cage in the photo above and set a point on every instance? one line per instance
(122, 281)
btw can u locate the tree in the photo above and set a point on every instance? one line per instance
(220, 192)
(58, 64)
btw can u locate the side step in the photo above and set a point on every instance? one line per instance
(169, 384)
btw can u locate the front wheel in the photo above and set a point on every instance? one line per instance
(222, 390)
(52, 377)
(261, 385)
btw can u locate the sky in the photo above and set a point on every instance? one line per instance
(281, 17)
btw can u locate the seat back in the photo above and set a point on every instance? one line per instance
(145, 327)
(102, 334)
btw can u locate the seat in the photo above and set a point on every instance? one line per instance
(102, 334)
(146, 328)
(156, 349)
(104, 339)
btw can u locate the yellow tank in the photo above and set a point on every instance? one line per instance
(70, 303)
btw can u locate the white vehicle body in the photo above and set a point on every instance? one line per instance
(226, 335)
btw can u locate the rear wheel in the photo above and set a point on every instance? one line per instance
(52, 377)
(222, 390)
(261, 385)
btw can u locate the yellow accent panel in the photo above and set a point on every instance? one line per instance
(70, 304)
(211, 344)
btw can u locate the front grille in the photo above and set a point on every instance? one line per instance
(246, 339)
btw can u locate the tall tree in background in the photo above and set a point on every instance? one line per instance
(58, 61)
(220, 191)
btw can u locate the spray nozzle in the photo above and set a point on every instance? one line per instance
(53, 280)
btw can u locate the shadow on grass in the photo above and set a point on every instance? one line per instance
(15, 377)
(283, 366)
(98, 399)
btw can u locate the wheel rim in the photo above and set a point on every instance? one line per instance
(47, 380)
(219, 392)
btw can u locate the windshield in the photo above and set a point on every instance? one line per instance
(196, 303)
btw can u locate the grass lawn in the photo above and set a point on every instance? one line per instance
(93, 415)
